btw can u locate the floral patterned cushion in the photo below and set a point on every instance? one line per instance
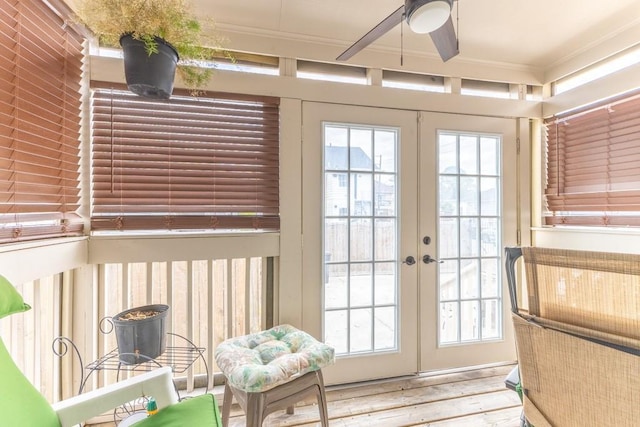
(264, 360)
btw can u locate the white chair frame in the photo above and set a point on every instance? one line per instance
(157, 383)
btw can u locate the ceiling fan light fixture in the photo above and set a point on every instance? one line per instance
(425, 16)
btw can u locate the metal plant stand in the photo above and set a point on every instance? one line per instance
(179, 358)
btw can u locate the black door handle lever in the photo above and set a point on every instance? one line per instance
(428, 260)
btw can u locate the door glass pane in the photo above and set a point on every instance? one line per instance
(361, 194)
(489, 155)
(489, 196)
(489, 238)
(469, 321)
(336, 141)
(385, 239)
(360, 237)
(361, 288)
(385, 326)
(448, 248)
(361, 146)
(448, 154)
(384, 190)
(449, 197)
(489, 278)
(469, 195)
(468, 155)
(448, 281)
(469, 276)
(385, 149)
(384, 283)
(361, 331)
(335, 283)
(335, 322)
(337, 194)
(491, 319)
(469, 238)
(336, 240)
(449, 321)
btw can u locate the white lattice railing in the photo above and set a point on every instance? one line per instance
(210, 300)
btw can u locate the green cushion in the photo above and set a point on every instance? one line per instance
(201, 411)
(21, 404)
(10, 300)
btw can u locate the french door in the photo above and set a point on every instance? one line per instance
(359, 220)
(468, 214)
(387, 195)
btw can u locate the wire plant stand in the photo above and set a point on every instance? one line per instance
(178, 358)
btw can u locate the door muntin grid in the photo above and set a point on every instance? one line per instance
(469, 218)
(360, 241)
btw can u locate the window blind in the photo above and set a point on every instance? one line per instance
(185, 163)
(40, 75)
(593, 176)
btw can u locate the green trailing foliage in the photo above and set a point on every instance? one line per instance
(174, 21)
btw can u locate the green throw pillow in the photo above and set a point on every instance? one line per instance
(201, 411)
(21, 404)
(10, 300)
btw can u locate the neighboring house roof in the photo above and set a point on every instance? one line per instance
(336, 158)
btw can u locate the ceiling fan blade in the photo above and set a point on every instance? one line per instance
(445, 40)
(376, 32)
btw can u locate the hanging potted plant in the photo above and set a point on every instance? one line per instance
(158, 38)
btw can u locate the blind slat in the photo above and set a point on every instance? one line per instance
(40, 107)
(210, 222)
(181, 163)
(592, 158)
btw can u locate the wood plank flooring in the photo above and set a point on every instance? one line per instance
(469, 398)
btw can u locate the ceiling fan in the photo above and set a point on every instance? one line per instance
(423, 16)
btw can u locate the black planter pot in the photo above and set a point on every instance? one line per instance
(144, 339)
(152, 75)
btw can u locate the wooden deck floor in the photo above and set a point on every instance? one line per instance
(470, 398)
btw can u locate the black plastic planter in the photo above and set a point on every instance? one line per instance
(147, 75)
(141, 340)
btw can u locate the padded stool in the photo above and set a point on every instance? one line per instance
(272, 370)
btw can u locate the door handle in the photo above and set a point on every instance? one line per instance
(428, 260)
(409, 260)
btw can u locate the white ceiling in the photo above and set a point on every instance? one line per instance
(538, 34)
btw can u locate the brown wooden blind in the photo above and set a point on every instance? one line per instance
(593, 166)
(40, 74)
(185, 163)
